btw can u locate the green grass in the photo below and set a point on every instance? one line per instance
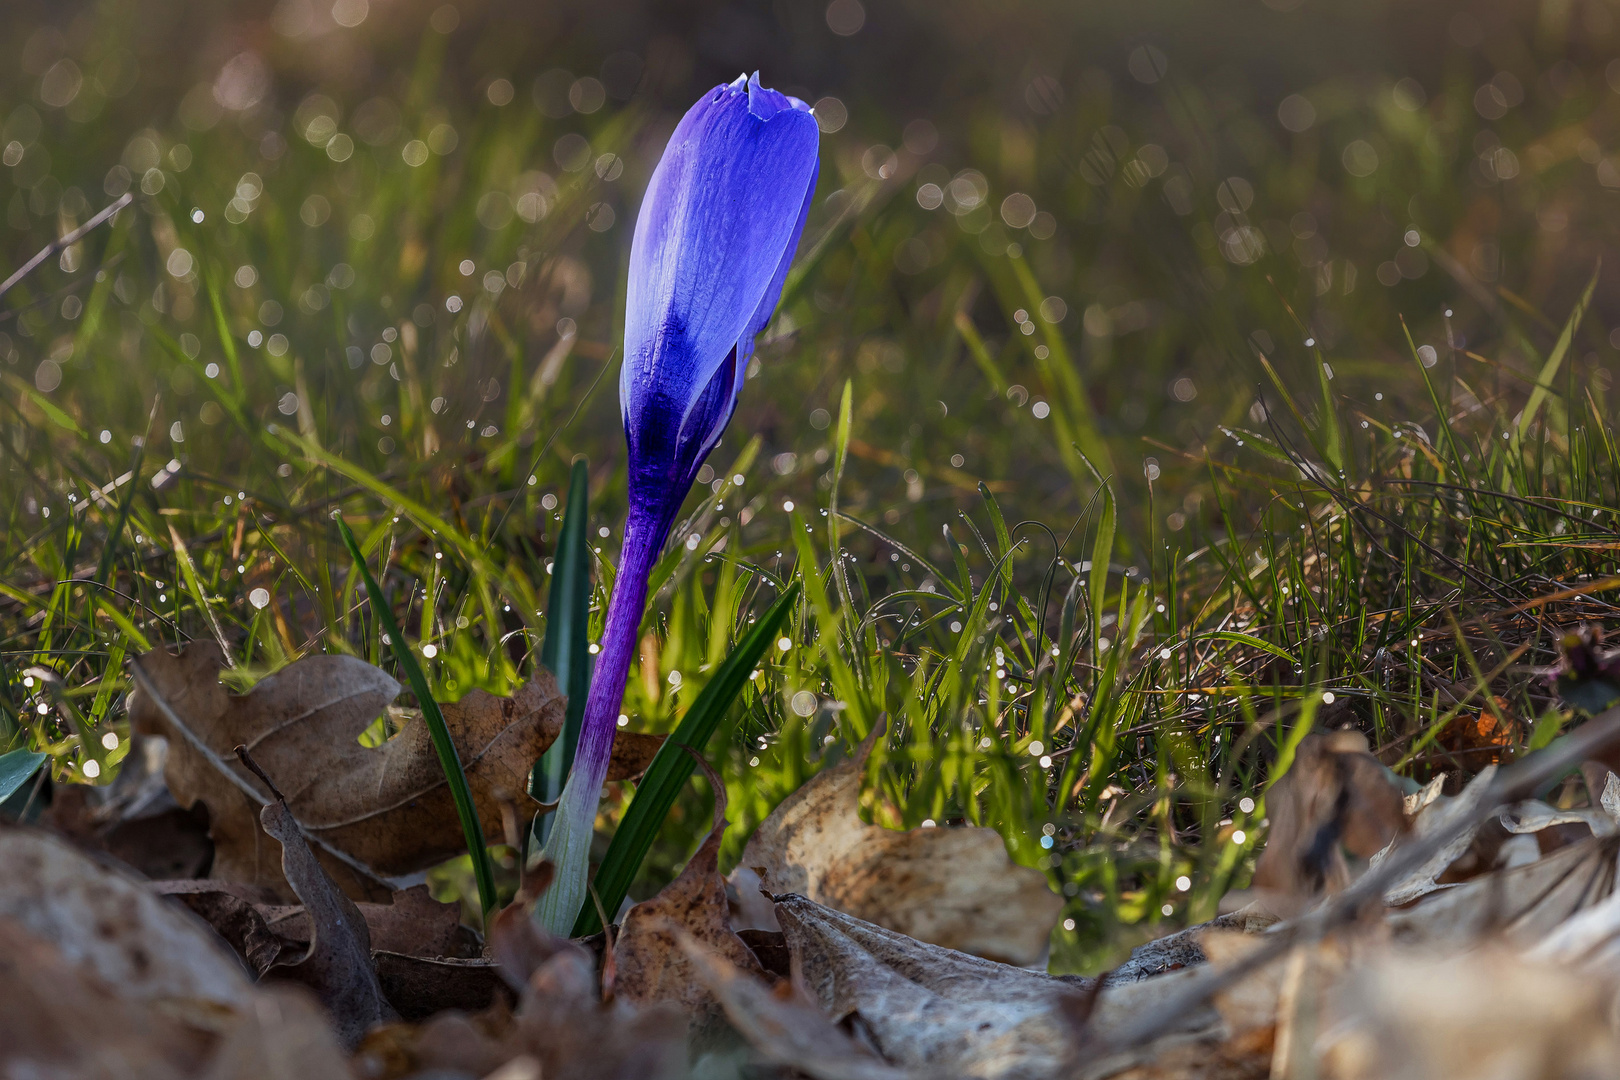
(1238, 558)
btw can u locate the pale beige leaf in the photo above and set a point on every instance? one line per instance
(105, 919)
(954, 887)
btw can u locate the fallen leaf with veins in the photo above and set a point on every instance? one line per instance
(782, 1024)
(338, 965)
(651, 965)
(1336, 798)
(372, 812)
(932, 1009)
(105, 919)
(954, 887)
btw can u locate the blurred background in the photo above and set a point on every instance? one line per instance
(1187, 187)
(376, 252)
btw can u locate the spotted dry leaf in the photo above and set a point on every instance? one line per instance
(651, 965)
(370, 812)
(954, 887)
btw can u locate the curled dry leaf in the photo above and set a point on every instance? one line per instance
(108, 921)
(372, 812)
(1334, 804)
(338, 966)
(782, 1024)
(235, 917)
(954, 887)
(651, 965)
(927, 1008)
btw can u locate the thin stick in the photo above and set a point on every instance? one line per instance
(1512, 784)
(67, 241)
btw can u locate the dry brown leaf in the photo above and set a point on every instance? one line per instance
(284, 1036)
(1481, 1014)
(59, 1019)
(519, 945)
(107, 920)
(651, 965)
(930, 1009)
(633, 751)
(338, 966)
(420, 986)
(385, 809)
(561, 1031)
(234, 917)
(414, 924)
(562, 1023)
(782, 1024)
(1335, 798)
(954, 887)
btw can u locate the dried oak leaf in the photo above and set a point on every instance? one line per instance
(954, 887)
(651, 965)
(338, 966)
(1335, 801)
(105, 919)
(370, 812)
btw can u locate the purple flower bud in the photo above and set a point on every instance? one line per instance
(717, 230)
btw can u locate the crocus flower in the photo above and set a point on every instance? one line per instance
(718, 227)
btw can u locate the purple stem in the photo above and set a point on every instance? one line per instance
(644, 536)
(646, 528)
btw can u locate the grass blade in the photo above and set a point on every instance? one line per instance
(454, 775)
(564, 652)
(667, 775)
(1538, 396)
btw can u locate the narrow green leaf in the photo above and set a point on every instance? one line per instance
(564, 652)
(454, 775)
(667, 775)
(1538, 396)
(16, 768)
(1251, 641)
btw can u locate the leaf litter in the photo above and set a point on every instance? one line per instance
(1389, 932)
